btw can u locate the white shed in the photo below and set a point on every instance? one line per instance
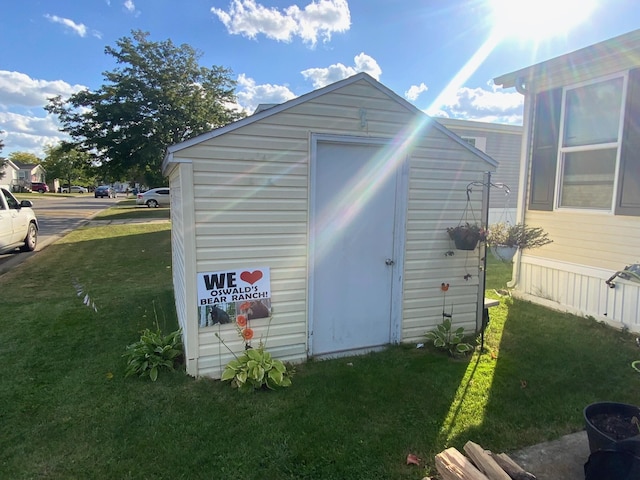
(332, 208)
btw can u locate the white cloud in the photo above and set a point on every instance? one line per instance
(496, 105)
(78, 28)
(414, 91)
(250, 95)
(18, 89)
(25, 133)
(129, 5)
(26, 125)
(324, 76)
(320, 18)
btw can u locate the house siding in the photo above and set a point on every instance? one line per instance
(503, 144)
(251, 208)
(588, 246)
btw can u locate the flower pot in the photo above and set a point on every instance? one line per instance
(503, 252)
(466, 243)
(609, 422)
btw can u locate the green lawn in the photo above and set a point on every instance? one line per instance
(127, 209)
(67, 412)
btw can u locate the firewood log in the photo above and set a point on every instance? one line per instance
(453, 465)
(514, 470)
(484, 462)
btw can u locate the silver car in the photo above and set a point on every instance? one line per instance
(18, 224)
(154, 198)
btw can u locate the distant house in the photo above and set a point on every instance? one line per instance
(580, 180)
(10, 178)
(331, 211)
(503, 144)
(29, 173)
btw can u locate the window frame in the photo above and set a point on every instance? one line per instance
(562, 150)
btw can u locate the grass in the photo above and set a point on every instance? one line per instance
(67, 412)
(127, 209)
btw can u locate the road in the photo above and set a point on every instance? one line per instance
(56, 217)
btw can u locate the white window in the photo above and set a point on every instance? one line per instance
(479, 142)
(590, 144)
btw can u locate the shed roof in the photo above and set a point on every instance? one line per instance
(615, 54)
(275, 109)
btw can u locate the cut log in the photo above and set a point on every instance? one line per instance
(453, 465)
(514, 470)
(485, 463)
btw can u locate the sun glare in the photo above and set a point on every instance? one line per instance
(538, 19)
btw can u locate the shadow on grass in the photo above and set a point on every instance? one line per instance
(544, 367)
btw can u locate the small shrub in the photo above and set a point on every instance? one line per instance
(153, 352)
(255, 369)
(445, 338)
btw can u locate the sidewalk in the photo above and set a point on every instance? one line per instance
(125, 221)
(561, 459)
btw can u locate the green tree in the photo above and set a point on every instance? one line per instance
(66, 163)
(24, 157)
(156, 97)
(3, 161)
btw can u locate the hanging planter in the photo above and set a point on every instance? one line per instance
(505, 239)
(504, 252)
(466, 236)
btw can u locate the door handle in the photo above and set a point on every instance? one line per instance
(388, 261)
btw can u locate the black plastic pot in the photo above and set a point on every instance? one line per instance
(598, 439)
(466, 242)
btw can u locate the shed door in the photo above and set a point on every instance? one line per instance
(353, 219)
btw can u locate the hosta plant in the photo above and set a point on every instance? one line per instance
(255, 369)
(445, 338)
(152, 353)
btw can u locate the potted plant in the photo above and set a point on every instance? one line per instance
(610, 422)
(505, 239)
(466, 236)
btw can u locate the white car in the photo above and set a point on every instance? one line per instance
(18, 224)
(74, 189)
(154, 197)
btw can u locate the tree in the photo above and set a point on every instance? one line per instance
(24, 157)
(3, 161)
(66, 163)
(158, 96)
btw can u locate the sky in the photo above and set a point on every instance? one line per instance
(440, 55)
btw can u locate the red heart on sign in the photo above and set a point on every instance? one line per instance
(251, 277)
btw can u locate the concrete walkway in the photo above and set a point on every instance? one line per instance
(561, 459)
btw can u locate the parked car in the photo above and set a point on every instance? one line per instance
(104, 191)
(74, 189)
(18, 224)
(154, 197)
(39, 187)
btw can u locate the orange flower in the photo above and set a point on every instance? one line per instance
(245, 306)
(247, 334)
(241, 320)
(444, 287)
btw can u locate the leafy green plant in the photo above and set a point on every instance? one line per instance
(445, 338)
(255, 369)
(153, 352)
(519, 235)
